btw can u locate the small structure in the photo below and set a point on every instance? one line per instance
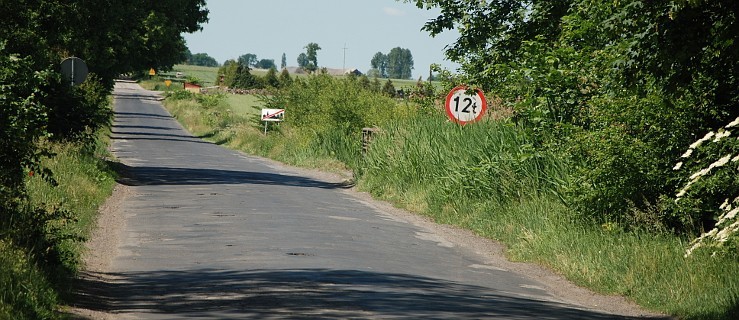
(192, 87)
(355, 72)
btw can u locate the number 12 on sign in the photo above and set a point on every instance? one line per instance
(464, 108)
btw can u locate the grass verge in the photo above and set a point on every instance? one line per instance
(32, 288)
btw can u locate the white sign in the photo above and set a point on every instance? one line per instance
(273, 114)
(464, 108)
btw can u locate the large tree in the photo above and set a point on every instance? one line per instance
(113, 37)
(265, 64)
(249, 59)
(399, 63)
(283, 62)
(202, 59)
(311, 53)
(379, 63)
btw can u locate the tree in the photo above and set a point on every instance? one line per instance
(283, 62)
(379, 63)
(250, 60)
(285, 79)
(311, 54)
(229, 70)
(302, 60)
(203, 59)
(270, 79)
(636, 80)
(399, 63)
(265, 64)
(389, 89)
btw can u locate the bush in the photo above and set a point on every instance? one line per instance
(709, 192)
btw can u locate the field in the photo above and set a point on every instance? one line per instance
(244, 104)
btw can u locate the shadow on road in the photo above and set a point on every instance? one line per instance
(307, 294)
(153, 176)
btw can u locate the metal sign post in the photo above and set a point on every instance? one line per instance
(75, 70)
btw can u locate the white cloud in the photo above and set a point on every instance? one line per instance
(393, 11)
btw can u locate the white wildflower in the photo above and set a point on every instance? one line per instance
(720, 162)
(722, 134)
(735, 159)
(724, 205)
(701, 140)
(687, 153)
(733, 123)
(678, 166)
(728, 216)
(700, 173)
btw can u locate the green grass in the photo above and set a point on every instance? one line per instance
(29, 288)
(244, 104)
(207, 75)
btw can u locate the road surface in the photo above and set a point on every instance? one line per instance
(211, 233)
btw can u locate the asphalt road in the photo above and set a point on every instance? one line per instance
(212, 233)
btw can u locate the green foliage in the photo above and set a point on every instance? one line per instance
(710, 190)
(202, 59)
(379, 65)
(399, 63)
(270, 78)
(311, 57)
(389, 89)
(249, 60)
(38, 110)
(622, 86)
(266, 64)
(285, 80)
(333, 111)
(25, 294)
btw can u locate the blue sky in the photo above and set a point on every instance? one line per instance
(270, 28)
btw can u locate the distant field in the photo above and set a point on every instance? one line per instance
(244, 104)
(206, 74)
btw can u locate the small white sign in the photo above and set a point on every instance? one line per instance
(273, 114)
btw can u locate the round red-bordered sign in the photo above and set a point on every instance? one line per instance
(464, 108)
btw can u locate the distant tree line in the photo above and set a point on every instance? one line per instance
(237, 75)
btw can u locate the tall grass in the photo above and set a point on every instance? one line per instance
(33, 280)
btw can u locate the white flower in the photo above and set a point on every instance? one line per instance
(687, 153)
(677, 166)
(727, 216)
(724, 205)
(722, 134)
(733, 123)
(701, 140)
(721, 162)
(735, 159)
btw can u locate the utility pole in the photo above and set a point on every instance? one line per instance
(343, 68)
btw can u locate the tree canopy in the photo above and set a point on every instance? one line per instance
(311, 54)
(624, 86)
(202, 59)
(399, 63)
(113, 37)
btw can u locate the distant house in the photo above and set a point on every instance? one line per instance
(355, 72)
(194, 88)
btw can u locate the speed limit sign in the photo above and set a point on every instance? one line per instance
(464, 108)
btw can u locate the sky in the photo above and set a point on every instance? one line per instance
(269, 28)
